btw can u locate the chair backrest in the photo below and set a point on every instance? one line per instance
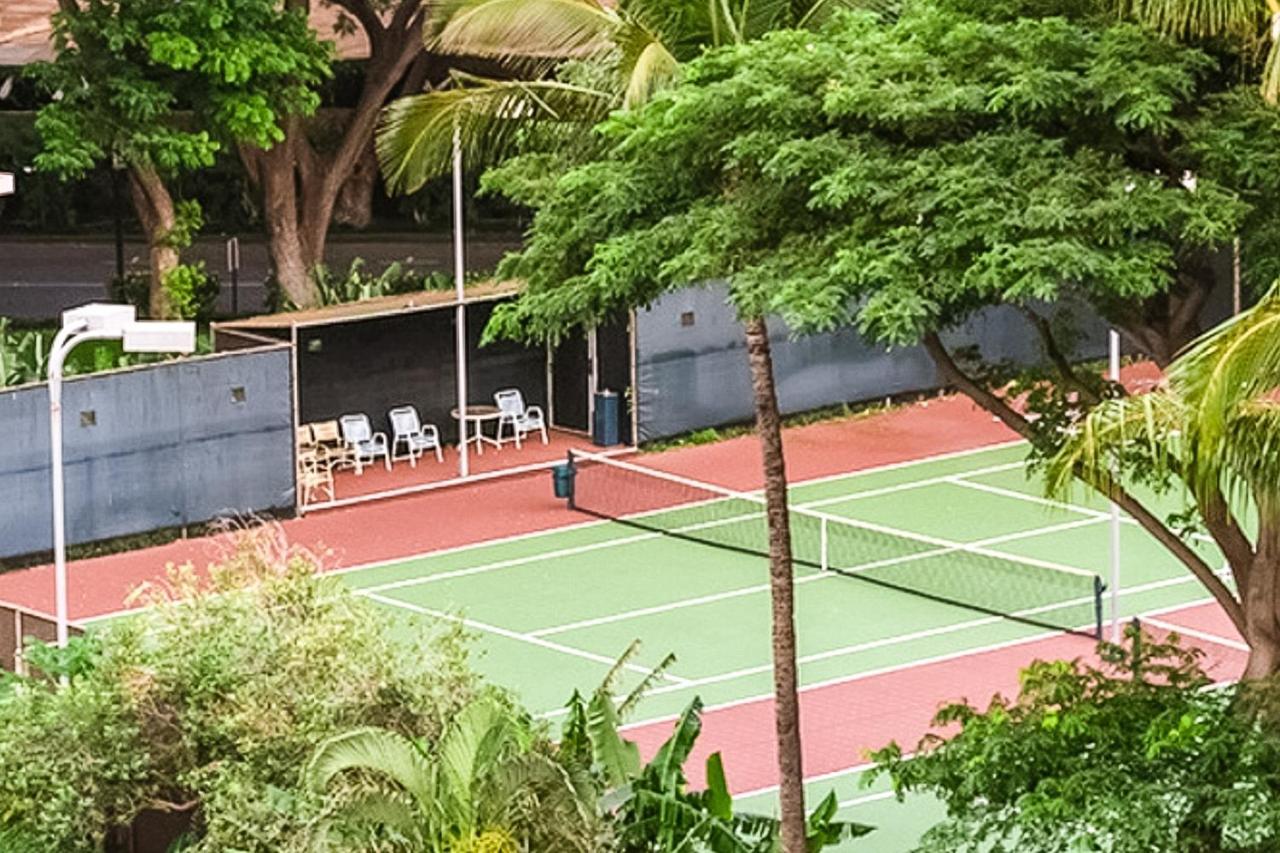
(510, 401)
(356, 427)
(404, 420)
(305, 437)
(326, 431)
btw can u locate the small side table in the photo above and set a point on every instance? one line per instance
(472, 421)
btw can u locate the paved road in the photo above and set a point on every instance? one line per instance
(40, 278)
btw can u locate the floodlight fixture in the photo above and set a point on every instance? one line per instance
(97, 321)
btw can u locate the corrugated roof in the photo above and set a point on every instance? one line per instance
(422, 300)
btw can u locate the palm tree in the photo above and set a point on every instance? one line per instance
(485, 786)
(1214, 427)
(574, 61)
(1254, 22)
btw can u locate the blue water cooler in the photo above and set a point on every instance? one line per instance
(605, 431)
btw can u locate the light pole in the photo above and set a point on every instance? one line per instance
(94, 322)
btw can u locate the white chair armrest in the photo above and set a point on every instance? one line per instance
(378, 438)
(533, 412)
(430, 430)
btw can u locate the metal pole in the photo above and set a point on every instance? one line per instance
(1236, 298)
(56, 357)
(233, 267)
(1114, 339)
(119, 220)
(459, 270)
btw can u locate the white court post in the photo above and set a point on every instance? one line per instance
(93, 322)
(1114, 375)
(460, 321)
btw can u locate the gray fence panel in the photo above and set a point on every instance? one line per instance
(692, 370)
(166, 445)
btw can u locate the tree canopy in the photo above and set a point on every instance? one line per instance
(901, 173)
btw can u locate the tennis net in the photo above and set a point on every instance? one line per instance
(1024, 590)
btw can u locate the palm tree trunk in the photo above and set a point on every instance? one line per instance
(1261, 598)
(782, 590)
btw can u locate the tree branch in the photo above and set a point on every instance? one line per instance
(972, 389)
(1060, 362)
(1013, 419)
(370, 22)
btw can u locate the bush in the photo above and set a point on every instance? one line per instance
(193, 291)
(218, 700)
(132, 288)
(1136, 755)
(356, 284)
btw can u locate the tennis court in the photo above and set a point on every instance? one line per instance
(897, 568)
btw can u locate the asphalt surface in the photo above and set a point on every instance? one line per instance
(41, 278)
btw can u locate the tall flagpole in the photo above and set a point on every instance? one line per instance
(1114, 340)
(459, 269)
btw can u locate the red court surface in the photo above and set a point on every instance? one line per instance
(375, 478)
(842, 719)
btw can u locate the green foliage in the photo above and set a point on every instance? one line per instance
(158, 84)
(649, 806)
(193, 291)
(577, 60)
(489, 783)
(219, 695)
(1135, 755)
(1213, 427)
(898, 174)
(356, 283)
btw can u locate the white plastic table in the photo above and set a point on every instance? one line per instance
(472, 423)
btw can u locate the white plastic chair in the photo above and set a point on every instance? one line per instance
(417, 437)
(521, 418)
(365, 444)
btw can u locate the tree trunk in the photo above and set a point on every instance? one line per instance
(301, 185)
(156, 211)
(354, 207)
(782, 590)
(1262, 600)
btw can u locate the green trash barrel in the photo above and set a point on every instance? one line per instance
(562, 478)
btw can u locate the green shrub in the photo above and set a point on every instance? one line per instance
(132, 288)
(193, 291)
(356, 284)
(220, 700)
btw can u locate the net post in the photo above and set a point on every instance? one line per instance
(1098, 587)
(824, 557)
(571, 474)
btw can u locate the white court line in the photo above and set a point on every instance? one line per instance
(861, 768)
(761, 697)
(1184, 631)
(959, 480)
(552, 531)
(755, 589)
(514, 635)
(1014, 493)
(901, 487)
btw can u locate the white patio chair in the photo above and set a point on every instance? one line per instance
(365, 444)
(521, 418)
(417, 437)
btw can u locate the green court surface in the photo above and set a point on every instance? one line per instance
(551, 611)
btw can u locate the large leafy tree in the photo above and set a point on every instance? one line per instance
(315, 170)
(903, 174)
(159, 87)
(570, 63)
(1214, 427)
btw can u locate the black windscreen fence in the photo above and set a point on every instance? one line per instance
(373, 365)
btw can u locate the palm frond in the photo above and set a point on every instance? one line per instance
(515, 30)
(1151, 424)
(493, 118)
(378, 751)
(646, 72)
(810, 14)
(1198, 18)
